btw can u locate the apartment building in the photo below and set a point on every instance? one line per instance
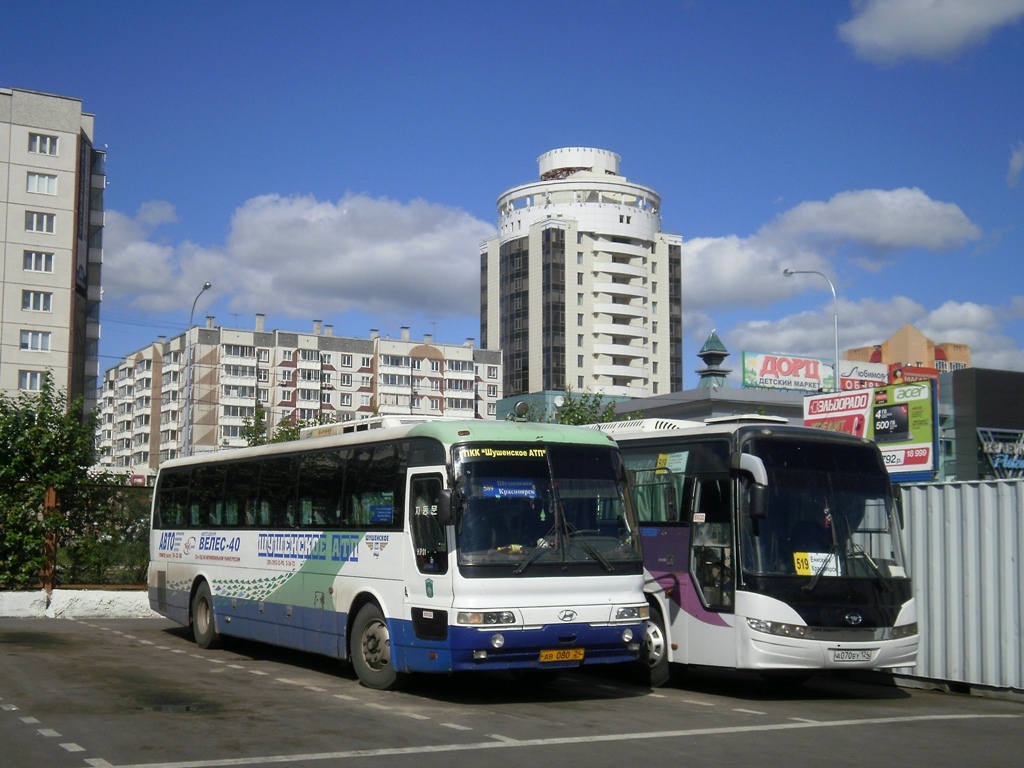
(52, 181)
(580, 288)
(908, 346)
(194, 393)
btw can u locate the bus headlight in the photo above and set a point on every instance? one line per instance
(778, 628)
(633, 613)
(485, 618)
(905, 630)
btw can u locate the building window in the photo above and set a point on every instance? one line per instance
(30, 380)
(579, 278)
(579, 382)
(579, 340)
(42, 144)
(492, 409)
(367, 362)
(364, 399)
(285, 376)
(579, 299)
(579, 361)
(492, 390)
(579, 320)
(37, 301)
(262, 395)
(286, 355)
(346, 398)
(654, 307)
(325, 358)
(36, 221)
(325, 397)
(37, 341)
(262, 374)
(34, 261)
(492, 371)
(42, 183)
(579, 257)
(346, 361)
(654, 386)
(346, 379)
(263, 355)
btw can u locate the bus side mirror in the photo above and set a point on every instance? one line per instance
(758, 500)
(444, 508)
(897, 495)
(757, 491)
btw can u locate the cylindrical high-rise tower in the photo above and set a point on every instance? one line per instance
(581, 288)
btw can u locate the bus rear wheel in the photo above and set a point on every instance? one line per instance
(204, 625)
(370, 650)
(654, 652)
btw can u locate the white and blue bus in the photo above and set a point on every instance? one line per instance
(768, 547)
(432, 547)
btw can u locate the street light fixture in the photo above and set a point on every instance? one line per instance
(187, 444)
(835, 317)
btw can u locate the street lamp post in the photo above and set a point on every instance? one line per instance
(835, 317)
(189, 373)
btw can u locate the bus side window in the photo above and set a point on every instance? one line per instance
(711, 546)
(428, 536)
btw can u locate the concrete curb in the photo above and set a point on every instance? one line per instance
(77, 604)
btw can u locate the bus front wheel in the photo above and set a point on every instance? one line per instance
(654, 652)
(204, 627)
(370, 650)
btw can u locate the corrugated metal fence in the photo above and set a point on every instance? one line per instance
(965, 547)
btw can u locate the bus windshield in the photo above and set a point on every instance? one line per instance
(526, 508)
(830, 513)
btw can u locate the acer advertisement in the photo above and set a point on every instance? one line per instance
(900, 418)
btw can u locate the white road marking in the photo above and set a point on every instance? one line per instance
(750, 712)
(698, 703)
(804, 720)
(8, 707)
(258, 672)
(503, 739)
(29, 720)
(72, 747)
(236, 666)
(48, 733)
(415, 716)
(457, 727)
(587, 739)
(343, 696)
(98, 762)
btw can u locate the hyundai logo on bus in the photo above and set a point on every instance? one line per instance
(853, 619)
(567, 615)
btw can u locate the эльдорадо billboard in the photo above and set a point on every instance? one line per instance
(900, 418)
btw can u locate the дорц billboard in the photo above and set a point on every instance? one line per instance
(769, 371)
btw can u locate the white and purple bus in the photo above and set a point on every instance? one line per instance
(768, 547)
(432, 547)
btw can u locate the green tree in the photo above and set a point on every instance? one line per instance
(586, 408)
(44, 443)
(254, 430)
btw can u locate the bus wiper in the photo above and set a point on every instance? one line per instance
(856, 550)
(833, 556)
(540, 549)
(574, 536)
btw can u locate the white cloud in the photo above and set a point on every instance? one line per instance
(880, 220)
(885, 31)
(300, 257)
(733, 270)
(1016, 165)
(872, 321)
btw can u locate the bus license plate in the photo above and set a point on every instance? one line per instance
(567, 654)
(851, 655)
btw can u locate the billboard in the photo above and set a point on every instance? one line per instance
(1004, 449)
(855, 375)
(900, 418)
(769, 371)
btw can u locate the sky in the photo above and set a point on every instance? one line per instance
(341, 161)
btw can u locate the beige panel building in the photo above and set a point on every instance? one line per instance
(150, 413)
(52, 180)
(581, 289)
